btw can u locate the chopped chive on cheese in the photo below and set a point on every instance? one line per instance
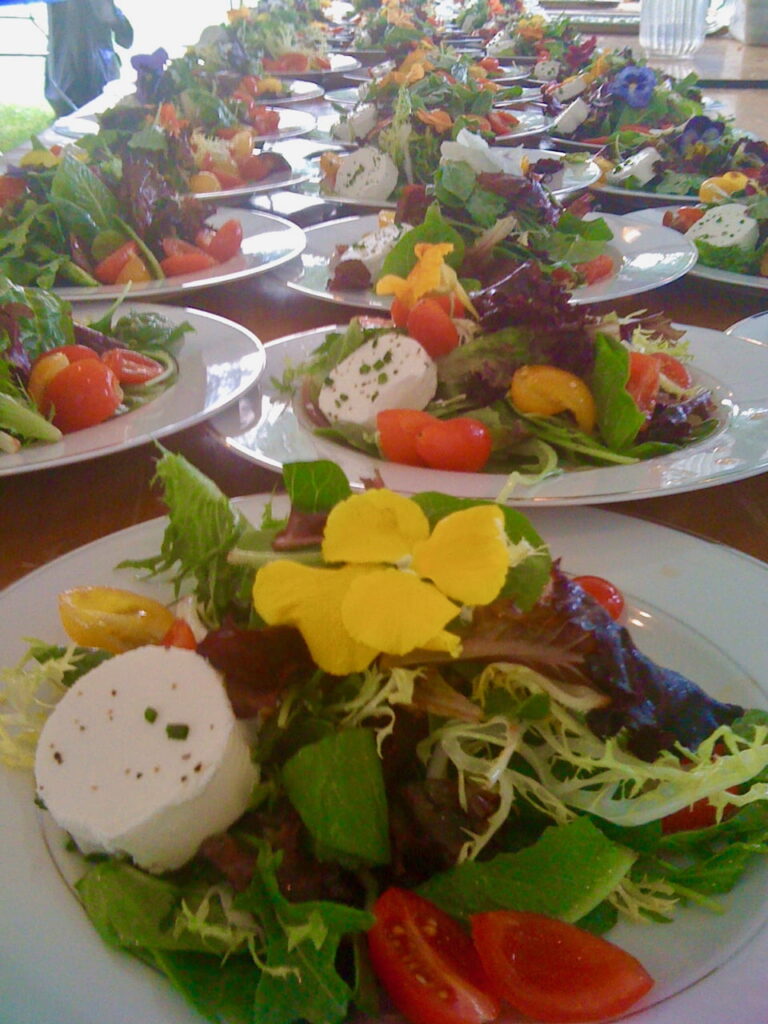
(150, 714)
(177, 731)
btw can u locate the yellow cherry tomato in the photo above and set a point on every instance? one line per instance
(241, 145)
(204, 181)
(134, 269)
(548, 390)
(43, 372)
(111, 619)
(714, 189)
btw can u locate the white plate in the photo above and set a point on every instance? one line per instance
(575, 176)
(218, 362)
(645, 256)
(268, 241)
(341, 63)
(654, 215)
(265, 428)
(54, 969)
(755, 327)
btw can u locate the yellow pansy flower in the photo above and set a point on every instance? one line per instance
(40, 158)
(430, 274)
(390, 586)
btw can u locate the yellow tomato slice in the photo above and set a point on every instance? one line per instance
(547, 390)
(111, 619)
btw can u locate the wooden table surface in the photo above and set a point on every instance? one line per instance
(46, 513)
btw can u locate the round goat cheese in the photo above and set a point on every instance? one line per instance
(374, 247)
(144, 757)
(726, 225)
(366, 174)
(357, 124)
(389, 371)
(574, 115)
(640, 166)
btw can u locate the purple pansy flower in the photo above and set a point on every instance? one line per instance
(152, 62)
(700, 128)
(634, 85)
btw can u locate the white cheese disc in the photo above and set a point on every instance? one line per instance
(143, 756)
(374, 247)
(574, 115)
(640, 166)
(357, 124)
(571, 87)
(725, 225)
(389, 371)
(366, 174)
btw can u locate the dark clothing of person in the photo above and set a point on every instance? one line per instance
(81, 50)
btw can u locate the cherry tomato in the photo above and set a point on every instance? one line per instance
(682, 218)
(112, 619)
(597, 269)
(674, 370)
(44, 370)
(72, 352)
(491, 65)
(461, 444)
(554, 971)
(643, 383)
(432, 327)
(132, 367)
(399, 311)
(701, 814)
(134, 269)
(82, 394)
(502, 121)
(109, 268)
(398, 433)
(224, 243)
(604, 592)
(427, 963)
(544, 390)
(186, 263)
(173, 246)
(179, 634)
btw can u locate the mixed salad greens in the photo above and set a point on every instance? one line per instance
(517, 381)
(510, 753)
(40, 341)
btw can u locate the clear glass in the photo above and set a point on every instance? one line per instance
(672, 28)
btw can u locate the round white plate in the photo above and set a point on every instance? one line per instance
(265, 427)
(292, 124)
(755, 327)
(654, 215)
(645, 256)
(218, 362)
(268, 241)
(575, 177)
(54, 969)
(341, 63)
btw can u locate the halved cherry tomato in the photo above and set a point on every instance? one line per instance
(596, 269)
(604, 592)
(399, 311)
(180, 635)
(134, 269)
(112, 619)
(398, 433)
(72, 352)
(186, 263)
(643, 383)
(427, 963)
(224, 243)
(674, 370)
(132, 367)
(108, 270)
(682, 218)
(82, 394)
(502, 121)
(173, 246)
(538, 389)
(554, 971)
(432, 327)
(490, 64)
(462, 444)
(44, 370)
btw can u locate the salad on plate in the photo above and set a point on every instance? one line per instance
(58, 375)
(378, 740)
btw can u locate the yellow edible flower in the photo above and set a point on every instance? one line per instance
(430, 274)
(390, 586)
(40, 158)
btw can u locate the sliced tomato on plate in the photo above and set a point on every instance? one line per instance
(554, 971)
(427, 962)
(132, 367)
(643, 383)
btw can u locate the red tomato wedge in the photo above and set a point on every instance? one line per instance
(223, 244)
(604, 592)
(597, 269)
(108, 270)
(180, 635)
(674, 370)
(132, 367)
(553, 971)
(187, 263)
(643, 383)
(427, 963)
